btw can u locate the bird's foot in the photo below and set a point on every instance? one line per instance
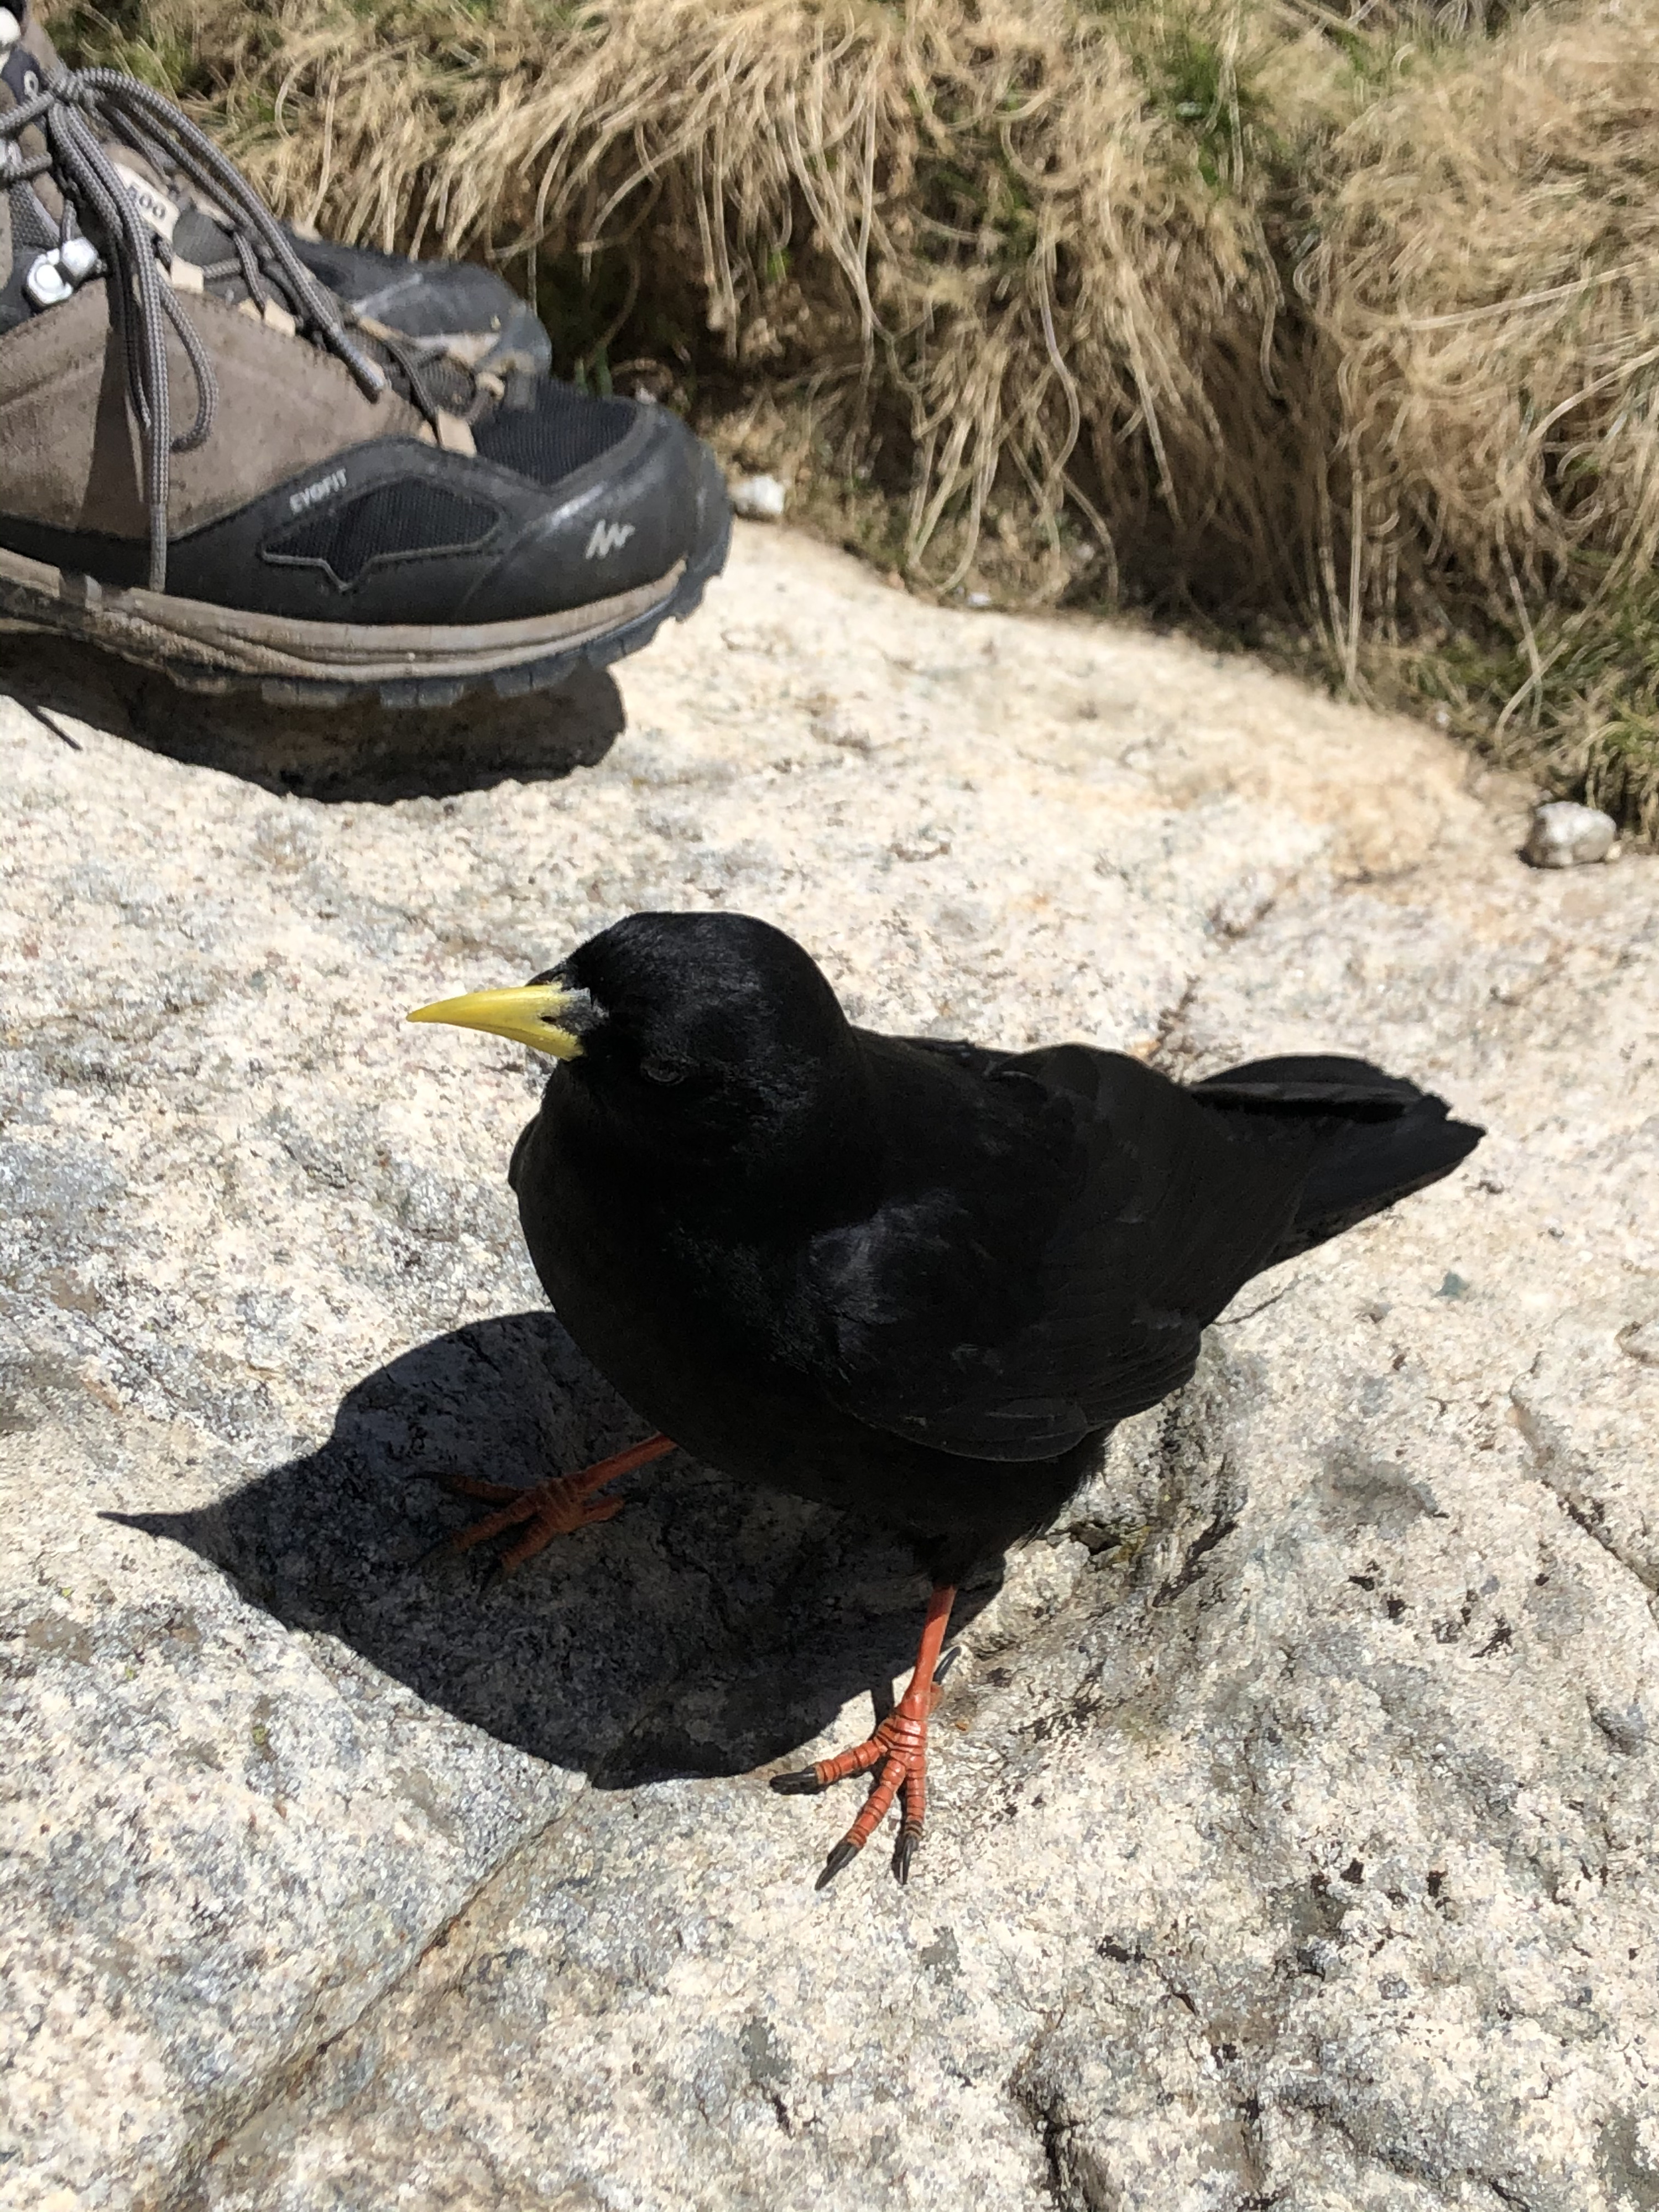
(546, 1510)
(898, 1751)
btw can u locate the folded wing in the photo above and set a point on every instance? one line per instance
(1047, 1290)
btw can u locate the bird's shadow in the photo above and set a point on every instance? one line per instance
(361, 751)
(709, 1629)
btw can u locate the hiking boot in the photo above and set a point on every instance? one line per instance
(440, 306)
(208, 466)
(452, 307)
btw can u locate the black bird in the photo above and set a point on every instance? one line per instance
(918, 1280)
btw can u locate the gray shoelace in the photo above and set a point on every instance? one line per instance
(97, 205)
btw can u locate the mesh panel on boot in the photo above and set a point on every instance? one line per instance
(199, 238)
(399, 521)
(28, 233)
(344, 268)
(33, 230)
(562, 433)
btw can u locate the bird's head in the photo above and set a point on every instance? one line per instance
(686, 1038)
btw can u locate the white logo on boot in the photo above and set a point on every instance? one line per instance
(297, 502)
(608, 537)
(153, 204)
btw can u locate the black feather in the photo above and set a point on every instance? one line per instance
(1380, 1138)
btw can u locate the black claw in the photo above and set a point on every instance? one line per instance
(443, 1549)
(903, 1851)
(843, 1855)
(804, 1783)
(947, 1662)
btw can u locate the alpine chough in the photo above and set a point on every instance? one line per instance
(918, 1280)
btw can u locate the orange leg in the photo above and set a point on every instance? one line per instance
(551, 1509)
(898, 1748)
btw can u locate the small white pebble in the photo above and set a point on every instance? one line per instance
(979, 598)
(762, 499)
(1565, 835)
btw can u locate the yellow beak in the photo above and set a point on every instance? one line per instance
(528, 1014)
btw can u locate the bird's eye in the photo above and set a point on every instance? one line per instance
(663, 1071)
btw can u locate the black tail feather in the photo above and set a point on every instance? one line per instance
(1308, 1084)
(1374, 1137)
(1372, 1166)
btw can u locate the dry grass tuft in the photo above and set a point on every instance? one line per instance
(1485, 294)
(983, 220)
(1245, 306)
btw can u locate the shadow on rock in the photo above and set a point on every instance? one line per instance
(708, 1630)
(357, 752)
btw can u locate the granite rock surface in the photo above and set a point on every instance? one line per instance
(1294, 1803)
